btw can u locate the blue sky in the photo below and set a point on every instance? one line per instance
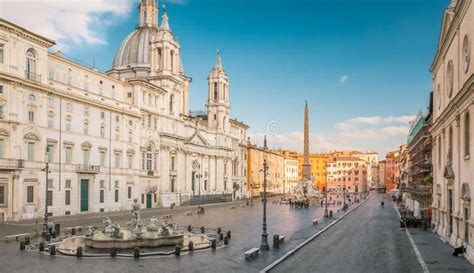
(361, 65)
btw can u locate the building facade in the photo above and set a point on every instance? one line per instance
(318, 168)
(347, 174)
(452, 127)
(275, 174)
(111, 137)
(291, 171)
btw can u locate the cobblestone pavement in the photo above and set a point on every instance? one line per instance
(245, 223)
(370, 240)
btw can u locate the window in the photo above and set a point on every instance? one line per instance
(2, 195)
(50, 120)
(86, 111)
(69, 77)
(31, 151)
(172, 60)
(2, 48)
(68, 123)
(117, 133)
(149, 158)
(171, 103)
(101, 197)
(30, 64)
(50, 183)
(102, 158)
(102, 115)
(172, 163)
(129, 192)
(467, 135)
(102, 130)
(117, 160)
(49, 198)
(450, 151)
(130, 161)
(50, 152)
(50, 102)
(117, 118)
(68, 155)
(116, 196)
(149, 121)
(130, 135)
(101, 184)
(85, 154)
(50, 75)
(215, 91)
(2, 148)
(68, 184)
(86, 83)
(1, 89)
(86, 127)
(30, 194)
(67, 198)
(69, 107)
(155, 122)
(31, 116)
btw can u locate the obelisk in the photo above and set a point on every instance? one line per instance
(306, 172)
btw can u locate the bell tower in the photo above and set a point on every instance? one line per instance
(218, 105)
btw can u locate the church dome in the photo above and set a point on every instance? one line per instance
(135, 49)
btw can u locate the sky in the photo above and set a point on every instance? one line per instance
(362, 65)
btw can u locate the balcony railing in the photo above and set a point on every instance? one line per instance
(150, 173)
(11, 164)
(32, 76)
(87, 169)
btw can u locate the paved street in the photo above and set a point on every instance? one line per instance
(370, 240)
(245, 223)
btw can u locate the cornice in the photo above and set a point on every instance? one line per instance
(38, 39)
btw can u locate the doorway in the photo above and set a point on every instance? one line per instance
(84, 194)
(148, 200)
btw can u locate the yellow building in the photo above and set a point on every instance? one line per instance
(318, 168)
(275, 159)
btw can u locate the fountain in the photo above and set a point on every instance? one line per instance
(112, 236)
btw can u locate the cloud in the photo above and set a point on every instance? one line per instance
(343, 78)
(68, 22)
(361, 133)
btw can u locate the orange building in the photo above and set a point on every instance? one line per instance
(318, 168)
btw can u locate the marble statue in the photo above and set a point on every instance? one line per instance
(108, 225)
(153, 224)
(165, 229)
(136, 220)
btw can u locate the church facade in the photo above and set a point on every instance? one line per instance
(111, 137)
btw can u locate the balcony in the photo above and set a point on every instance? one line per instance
(11, 164)
(32, 76)
(88, 169)
(150, 173)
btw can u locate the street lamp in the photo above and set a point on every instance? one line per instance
(197, 167)
(264, 245)
(326, 214)
(47, 171)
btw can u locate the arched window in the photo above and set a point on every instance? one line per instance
(215, 91)
(159, 58)
(30, 64)
(149, 158)
(467, 135)
(149, 99)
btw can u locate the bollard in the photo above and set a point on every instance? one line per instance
(113, 253)
(190, 246)
(228, 234)
(52, 250)
(22, 245)
(27, 240)
(226, 240)
(79, 252)
(203, 229)
(177, 250)
(41, 246)
(219, 230)
(276, 241)
(330, 214)
(136, 253)
(213, 243)
(221, 236)
(247, 203)
(190, 228)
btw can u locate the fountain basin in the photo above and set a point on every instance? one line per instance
(149, 239)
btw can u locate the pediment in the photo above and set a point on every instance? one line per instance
(448, 172)
(447, 20)
(197, 139)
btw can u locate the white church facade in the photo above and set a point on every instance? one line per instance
(111, 137)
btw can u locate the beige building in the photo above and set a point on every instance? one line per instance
(113, 136)
(452, 127)
(276, 171)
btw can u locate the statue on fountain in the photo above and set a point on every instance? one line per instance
(108, 225)
(136, 221)
(152, 224)
(116, 231)
(165, 228)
